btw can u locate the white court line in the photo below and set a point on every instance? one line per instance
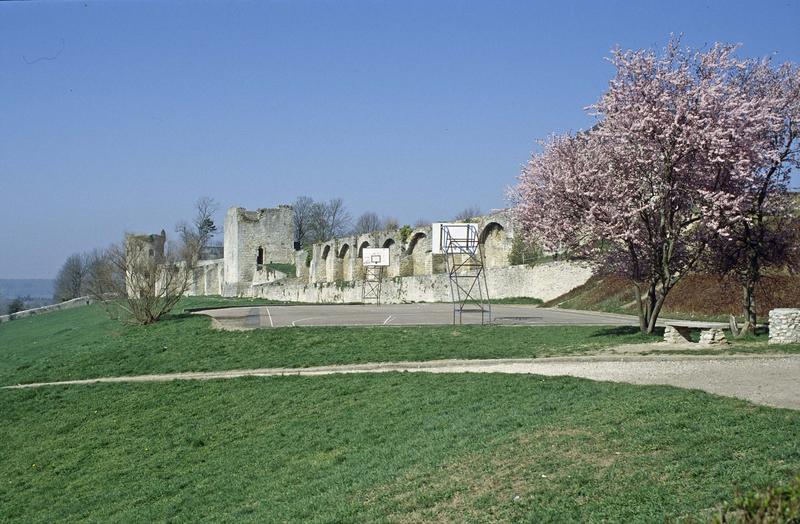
(388, 319)
(270, 317)
(300, 320)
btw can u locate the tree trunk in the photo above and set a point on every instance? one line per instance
(640, 308)
(749, 289)
(651, 325)
(749, 308)
(648, 311)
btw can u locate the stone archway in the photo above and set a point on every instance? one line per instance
(419, 254)
(344, 264)
(496, 245)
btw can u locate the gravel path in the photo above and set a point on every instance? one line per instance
(771, 380)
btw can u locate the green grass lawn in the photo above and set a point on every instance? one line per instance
(84, 343)
(395, 447)
(390, 447)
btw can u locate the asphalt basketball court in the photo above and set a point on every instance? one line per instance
(254, 317)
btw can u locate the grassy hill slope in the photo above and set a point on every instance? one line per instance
(85, 343)
(396, 447)
(694, 297)
(390, 447)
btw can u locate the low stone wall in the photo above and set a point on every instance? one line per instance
(784, 326)
(69, 304)
(545, 281)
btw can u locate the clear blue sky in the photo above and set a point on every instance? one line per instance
(117, 116)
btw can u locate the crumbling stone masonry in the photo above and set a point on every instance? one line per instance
(333, 271)
(254, 239)
(784, 326)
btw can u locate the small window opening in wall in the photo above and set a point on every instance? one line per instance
(260, 257)
(152, 253)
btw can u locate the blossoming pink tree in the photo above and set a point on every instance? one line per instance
(679, 135)
(768, 237)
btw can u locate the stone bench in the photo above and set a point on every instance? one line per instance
(676, 333)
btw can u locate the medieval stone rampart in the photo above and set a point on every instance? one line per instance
(545, 281)
(333, 271)
(252, 240)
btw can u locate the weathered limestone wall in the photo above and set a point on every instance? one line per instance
(254, 239)
(208, 278)
(68, 304)
(545, 281)
(265, 236)
(340, 259)
(784, 326)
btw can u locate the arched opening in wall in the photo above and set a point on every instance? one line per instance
(358, 266)
(327, 268)
(418, 255)
(496, 246)
(260, 258)
(413, 243)
(342, 266)
(394, 257)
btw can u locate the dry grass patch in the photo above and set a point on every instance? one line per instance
(504, 481)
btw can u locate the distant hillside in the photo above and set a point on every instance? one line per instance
(27, 287)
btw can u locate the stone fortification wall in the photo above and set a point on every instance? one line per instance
(784, 326)
(545, 281)
(68, 304)
(333, 271)
(340, 259)
(209, 276)
(252, 239)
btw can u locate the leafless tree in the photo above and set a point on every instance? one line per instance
(338, 217)
(422, 222)
(467, 214)
(71, 280)
(390, 223)
(302, 210)
(367, 223)
(196, 236)
(328, 220)
(136, 284)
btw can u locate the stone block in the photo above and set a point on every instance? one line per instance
(784, 326)
(676, 335)
(711, 337)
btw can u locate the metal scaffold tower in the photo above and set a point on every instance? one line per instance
(373, 276)
(465, 268)
(375, 260)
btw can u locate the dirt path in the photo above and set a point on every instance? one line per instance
(771, 380)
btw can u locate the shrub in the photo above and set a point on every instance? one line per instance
(405, 232)
(776, 504)
(523, 252)
(16, 306)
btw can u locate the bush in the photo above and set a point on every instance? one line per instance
(16, 306)
(405, 232)
(523, 252)
(776, 504)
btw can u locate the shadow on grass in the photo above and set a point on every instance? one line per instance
(616, 331)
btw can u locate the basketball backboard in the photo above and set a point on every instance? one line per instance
(455, 237)
(376, 256)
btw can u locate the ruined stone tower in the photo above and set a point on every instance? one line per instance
(254, 239)
(142, 254)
